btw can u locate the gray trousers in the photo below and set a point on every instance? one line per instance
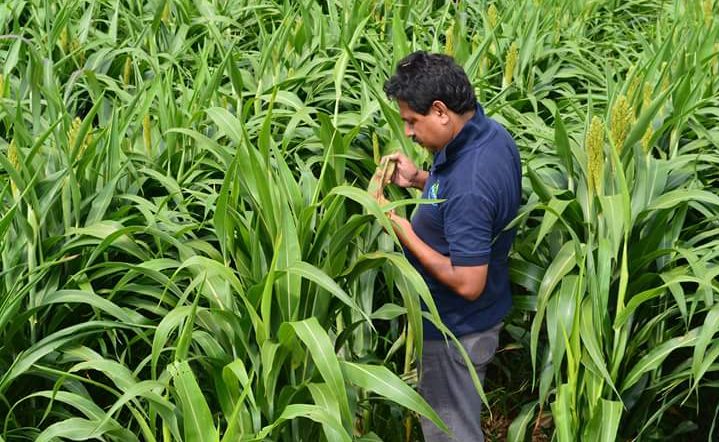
(446, 385)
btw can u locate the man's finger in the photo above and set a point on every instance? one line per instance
(394, 156)
(393, 178)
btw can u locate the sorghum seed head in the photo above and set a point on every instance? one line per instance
(449, 45)
(72, 133)
(647, 138)
(493, 16)
(12, 154)
(621, 121)
(511, 63)
(127, 71)
(708, 7)
(595, 153)
(166, 13)
(147, 133)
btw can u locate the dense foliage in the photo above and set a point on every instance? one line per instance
(188, 252)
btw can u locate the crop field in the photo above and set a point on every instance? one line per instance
(188, 251)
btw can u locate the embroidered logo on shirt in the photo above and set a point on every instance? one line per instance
(434, 191)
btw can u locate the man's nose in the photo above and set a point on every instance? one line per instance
(408, 132)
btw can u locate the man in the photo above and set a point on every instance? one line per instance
(458, 245)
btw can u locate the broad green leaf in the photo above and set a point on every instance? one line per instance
(539, 186)
(562, 414)
(326, 400)
(645, 119)
(197, 418)
(227, 123)
(591, 339)
(52, 342)
(288, 253)
(126, 316)
(367, 202)
(312, 412)
(222, 220)
(554, 211)
(680, 196)
(518, 428)
(112, 233)
(562, 264)
(87, 407)
(560, 319)
(656, 356)
(561, 140)
(611, 414)
(383, 382)
(388, 311)
(526, 274)
(74, 429)
(706, 335)
(312, 273)
(167, 325)
(272, 357)
(320, 347)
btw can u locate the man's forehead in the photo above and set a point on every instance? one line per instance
(405, 111)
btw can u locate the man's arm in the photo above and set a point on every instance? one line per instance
(467, 281)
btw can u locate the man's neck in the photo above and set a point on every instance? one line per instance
(461, 121)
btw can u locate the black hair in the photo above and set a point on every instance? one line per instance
(422, 77)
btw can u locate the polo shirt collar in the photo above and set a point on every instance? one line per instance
(473, 129)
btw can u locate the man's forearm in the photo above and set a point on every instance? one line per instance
(467, 282)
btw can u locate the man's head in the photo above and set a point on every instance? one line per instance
(434, 96)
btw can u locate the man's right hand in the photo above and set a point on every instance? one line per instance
(406, 174)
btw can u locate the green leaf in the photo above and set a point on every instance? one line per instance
(126, 316)
(561, 140)
(562, 264)
(655, 357)
(640, 127)
(681, 196)
(312, 273)
(369, 203)
(591, 337)
(288, 253)
(560, 319)
(388, 311)
(197, 418)
(385, 383)
(555, 209)
(227, 123)
(74, 429)
(34, 353)
(542, 190)
(326, 400)
(611, 412)
(320, 347)
(706, 334)
(561, 411)
(312, 412)
(518, 428)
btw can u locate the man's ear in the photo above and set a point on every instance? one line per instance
(441, 110)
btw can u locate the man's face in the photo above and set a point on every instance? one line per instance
(431, 131)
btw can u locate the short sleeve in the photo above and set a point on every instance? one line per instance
(468, 221)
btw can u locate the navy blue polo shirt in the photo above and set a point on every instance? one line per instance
(478, 174)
